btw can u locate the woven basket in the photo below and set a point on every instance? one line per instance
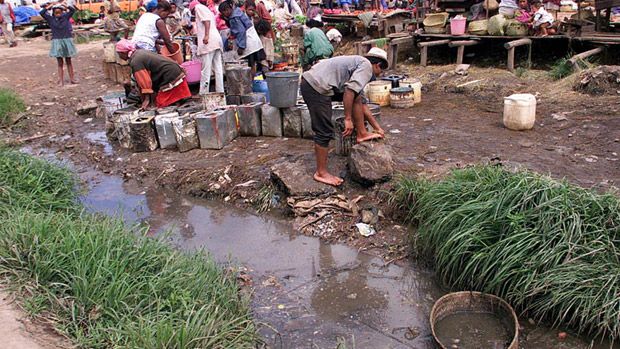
(440, 29)
(435, 19)
(478, 27)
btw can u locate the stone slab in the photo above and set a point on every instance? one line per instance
(295, 179)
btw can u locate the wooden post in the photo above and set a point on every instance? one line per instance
(460, 45)
(574, 60)
(460, 51)
(424, 56)
(511, 46)
(424, 49)
(393, 51)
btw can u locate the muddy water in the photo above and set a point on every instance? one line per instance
(309, 294)
(472, 331)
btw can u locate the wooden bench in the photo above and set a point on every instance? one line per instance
(512, 45)
(460, 45)
(395, 44)
(424, 49)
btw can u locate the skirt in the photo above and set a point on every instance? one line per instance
(63, 48)
(178, 93)
(114, 25)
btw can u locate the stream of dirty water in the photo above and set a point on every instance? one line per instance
(309, 294)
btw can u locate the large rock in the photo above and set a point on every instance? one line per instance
(295, 179)
(370, 163)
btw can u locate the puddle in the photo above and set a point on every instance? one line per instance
(472, 331)
(310, 293)
(100, 138)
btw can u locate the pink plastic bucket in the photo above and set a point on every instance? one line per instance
(192, 71)
(457, 26)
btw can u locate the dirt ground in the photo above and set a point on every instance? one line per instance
(19, 331)
(576, 137)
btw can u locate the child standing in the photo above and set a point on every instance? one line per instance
(542, 20)
(62, 41)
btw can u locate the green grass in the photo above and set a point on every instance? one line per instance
(563, 68)
(10, 104)
(549, 248)
(36, 185)
(104, 285)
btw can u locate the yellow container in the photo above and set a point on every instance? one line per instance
(379, 92)
(416, 85)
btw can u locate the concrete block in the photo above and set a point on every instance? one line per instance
(189, 107)
(250, 119)
(291, 122)
(212, 129)
(230, 113)
(185, 132)
(254, 97)
(233, 99)
(306, 122)
(165, 132)
(271, 121)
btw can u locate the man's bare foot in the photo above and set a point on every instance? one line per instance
(74, 82)
(379, 131)
(368, 137)
(61, 82)
(328, 179)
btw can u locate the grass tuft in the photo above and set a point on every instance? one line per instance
(264, 199)
(549, 248)
(28, 183)
(104, 285)
(10, 104)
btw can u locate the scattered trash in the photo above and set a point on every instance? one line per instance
(271, 282)
(365, 229)
(352, 296)
(462, 69)
(88, 120)
(560, 116)
(562, 336)
(245, 184)
(395, 131)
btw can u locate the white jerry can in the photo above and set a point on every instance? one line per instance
(520, 111)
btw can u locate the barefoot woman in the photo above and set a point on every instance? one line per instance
(343, 79)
